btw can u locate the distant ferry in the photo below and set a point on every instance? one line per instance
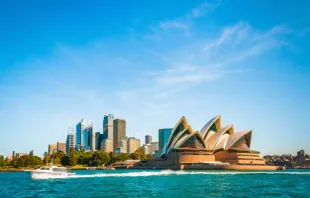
(47, 172)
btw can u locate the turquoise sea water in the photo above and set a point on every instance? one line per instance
(129, 183)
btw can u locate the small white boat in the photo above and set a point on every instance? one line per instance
(48, 172)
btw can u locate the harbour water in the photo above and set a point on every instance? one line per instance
(155, 183)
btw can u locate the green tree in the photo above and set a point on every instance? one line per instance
(65, 161)
(122, 157)
(57, 157)
(83, 158)
(13, 162)
(112, 158)
(46, 158)
(99, 158)
(28, 161)
(2, 162)
(148, 156)
(134, 156)
(72, 157)
(139, 153)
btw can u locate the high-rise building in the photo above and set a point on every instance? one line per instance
(122, 148)
(133, 144)
(70, 142)
(147, 148)
(92, 138)
(98, 140)
(89, 138)
(61, 146)
(51, 148)
(155, 146)
(107, 145)
(163, 137)
(79, 133)
(108, 126)
(119, 132)
(85, 139)
(148, 139)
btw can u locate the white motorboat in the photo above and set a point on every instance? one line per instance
(48, 172)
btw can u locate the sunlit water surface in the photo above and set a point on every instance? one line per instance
(130, 183)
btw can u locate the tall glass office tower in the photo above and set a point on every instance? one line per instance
(79, 133)
(163, 137)
(108, 126)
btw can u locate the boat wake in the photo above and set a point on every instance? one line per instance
(168, 172)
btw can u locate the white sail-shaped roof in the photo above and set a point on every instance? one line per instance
(216, 120)
(212, 141)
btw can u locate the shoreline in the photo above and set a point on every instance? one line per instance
(92, 168)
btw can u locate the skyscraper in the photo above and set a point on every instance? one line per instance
(70, 142)
(108, 126)
(61, 146)
(79, 132)
(155, 146)
(148, 139)
(107, 145)
(89, 138)
(92, 138)
(85, 139)
(163, 137)
(132, 144)
(51, 148)
(147, 148)
(119, 132)
(98, 141)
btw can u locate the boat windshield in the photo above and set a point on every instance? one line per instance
(59, 169)
(44, 168)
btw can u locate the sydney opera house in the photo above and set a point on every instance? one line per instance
(213, 147)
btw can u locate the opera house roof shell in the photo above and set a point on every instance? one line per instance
(212, 137)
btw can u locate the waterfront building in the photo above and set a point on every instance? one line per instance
(147, 148)
(108, 126)
(122, 148)
(107, 145)
(51, 148)
(79, 133)
(70, 142)
(190, 149)
(61, 146)
(155, 146)
(133, 144)
(302, 159)
(9, 157)
(163, 137)
(148, 139)
(119, 132)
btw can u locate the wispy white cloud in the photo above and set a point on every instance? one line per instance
(202, 9)
(184, 23)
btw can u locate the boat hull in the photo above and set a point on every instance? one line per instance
(49, 175)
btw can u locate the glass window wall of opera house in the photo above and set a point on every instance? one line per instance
(213, 147)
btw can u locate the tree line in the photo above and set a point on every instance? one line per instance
(96, 158)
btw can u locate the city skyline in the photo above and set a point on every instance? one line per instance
(150, 64)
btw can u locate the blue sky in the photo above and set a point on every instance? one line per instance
(151, 62)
